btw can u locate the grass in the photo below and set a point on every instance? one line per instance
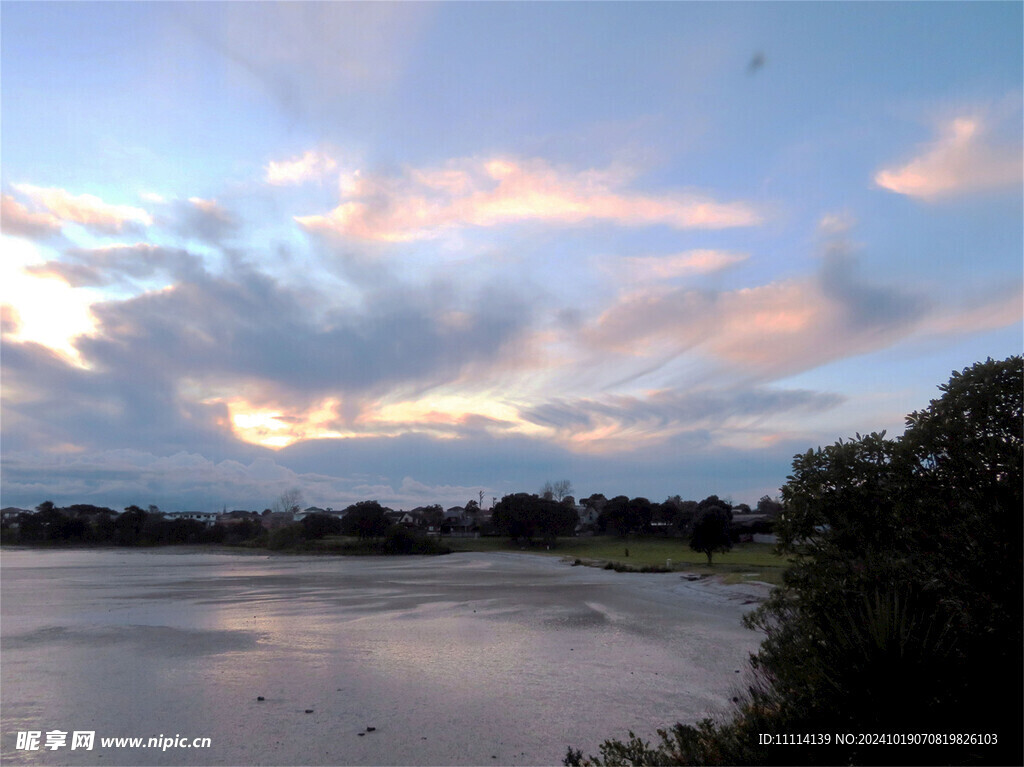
(745, 562)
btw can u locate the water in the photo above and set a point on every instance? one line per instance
(464, 659)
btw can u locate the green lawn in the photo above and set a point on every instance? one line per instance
(747, 561)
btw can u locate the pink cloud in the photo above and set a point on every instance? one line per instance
(786, 327)
(312, 165)
(84, 209)
(964, 158)
(690, 262)
(425, 203)
(18, 220)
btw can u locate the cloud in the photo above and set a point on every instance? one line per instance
(85, 209)
(204, 220)
(49, 401)
(770, 330)
(244, 326)
(19, 221)
(313, 59)
(312, 165)
(626, 423)
(965, 158)
(113, 264)
(688, 263)
(10, 320)
(499, 192)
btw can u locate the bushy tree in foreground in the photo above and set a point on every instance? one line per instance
(902, 610)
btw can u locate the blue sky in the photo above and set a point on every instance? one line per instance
(414, 251)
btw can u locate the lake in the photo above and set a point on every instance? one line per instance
(474, 658)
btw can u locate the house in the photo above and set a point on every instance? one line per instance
(237, 517)
(458, 523)
(300, 515)
(9, 516)
(403, 518)
(208, 518)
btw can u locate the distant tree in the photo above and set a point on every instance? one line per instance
(523, 517)
(88, 510)
(433, 515)
(556, 491)
(711, 531)
(128, 527)
(289, 501)
(768, 507)
(743, 508)
(365, 519)
(316, 526)
(625, 516)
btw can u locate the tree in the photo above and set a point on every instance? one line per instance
(768, 507)
(524, 516)
(433, 515)
(556, 491)
(316, 526)
(711, 531)
(290, 501)
(902, 606)
(625, 515)
(128, 527)
(365, 519)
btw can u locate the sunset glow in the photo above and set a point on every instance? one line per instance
(417, 252)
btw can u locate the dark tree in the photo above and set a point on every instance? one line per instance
(625, 516)
(768, 507)
(524, 516)
(556, 491)
(901, 611)
(432, 515)
(906, 598)
(316, 526)
(711, 531)
(129, 525)
(365, 519)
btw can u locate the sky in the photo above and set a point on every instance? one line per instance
(414, 252)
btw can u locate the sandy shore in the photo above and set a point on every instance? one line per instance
(477, 658)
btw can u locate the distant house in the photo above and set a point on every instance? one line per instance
(588, 516)
(458, 523)
(236, 517)
(9, 516)
(300, 515)
(403, 518)
(745, 526)
(208, 518)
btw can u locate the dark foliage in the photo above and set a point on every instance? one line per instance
(524, 517)
(316, 526)
(711, 531)
(902, 610)
(364, 519)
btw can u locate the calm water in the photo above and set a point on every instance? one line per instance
(464, 659)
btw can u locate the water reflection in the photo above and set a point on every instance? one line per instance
(453, 659)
